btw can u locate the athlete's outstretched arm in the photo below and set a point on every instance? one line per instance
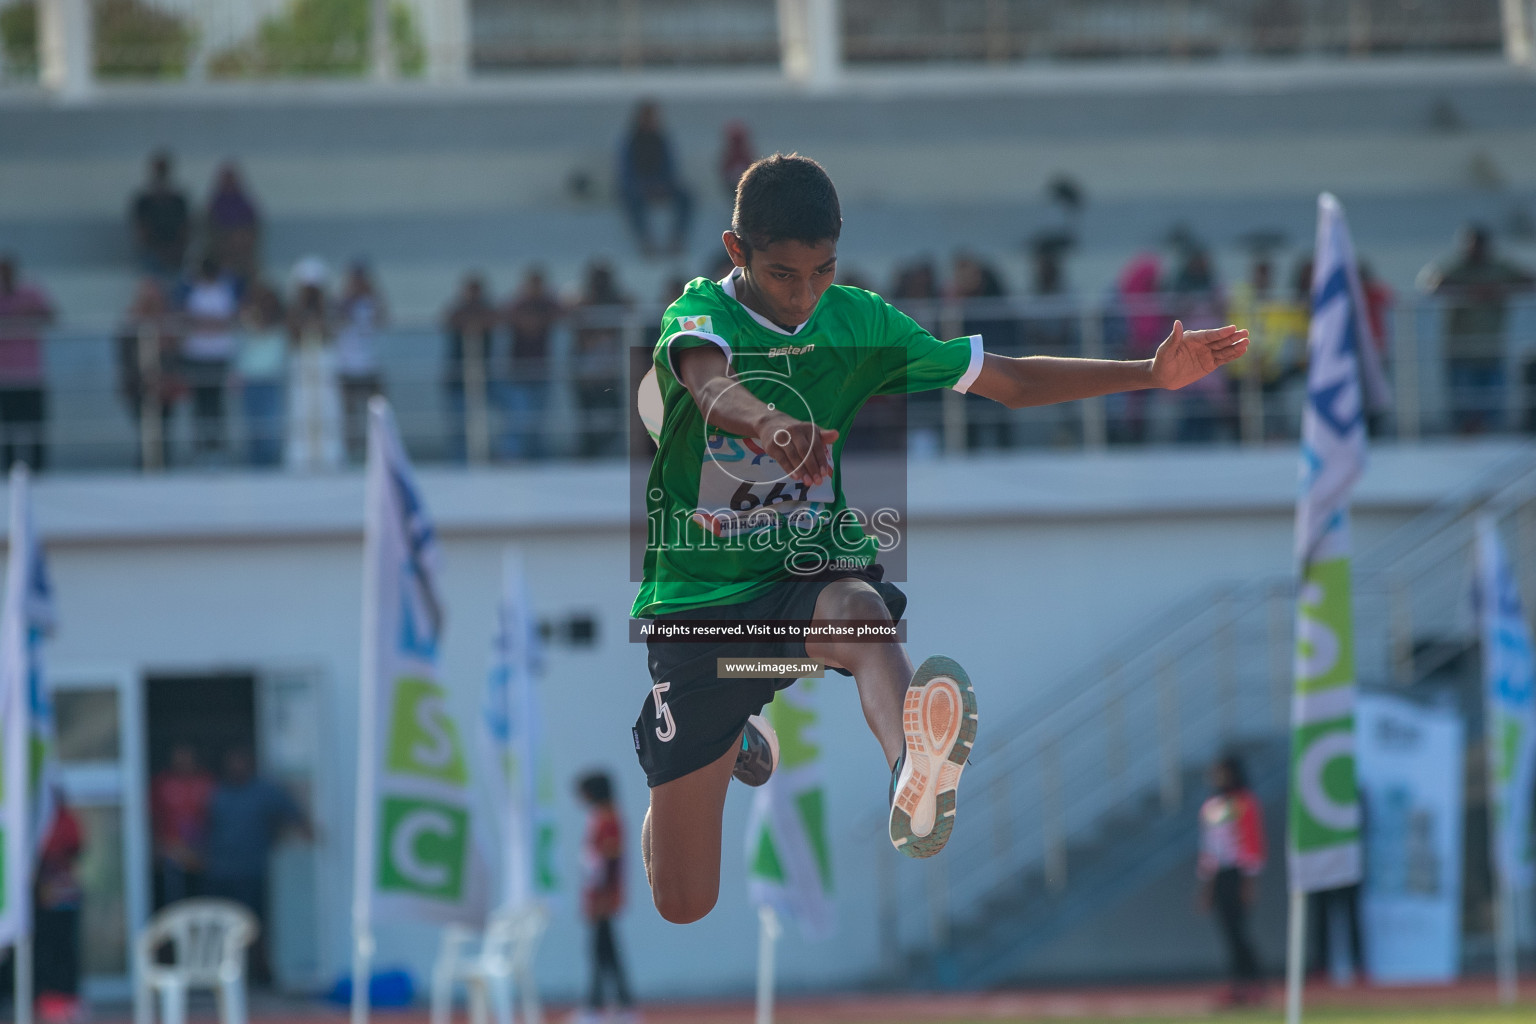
(1182, 359)
(800, 447)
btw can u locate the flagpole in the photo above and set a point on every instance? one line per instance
(1504, 943)
(23, 961)
(1295, 956)
(18, 760)
(767, 937)
(363, 807)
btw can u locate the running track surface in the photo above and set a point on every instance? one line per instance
(857, 1008)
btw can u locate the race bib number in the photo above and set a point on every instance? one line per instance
(742, 489)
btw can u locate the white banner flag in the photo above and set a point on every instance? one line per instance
(511, 731)
(26, 714)
(789, 859)
(1509, 675)
(1333, 442)
(416, 846)
(1324, 833)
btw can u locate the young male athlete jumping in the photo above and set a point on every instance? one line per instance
(759, 378)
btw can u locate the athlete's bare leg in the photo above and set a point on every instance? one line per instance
(680, 840)
(881, 670)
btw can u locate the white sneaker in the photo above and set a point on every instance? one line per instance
(939, 719)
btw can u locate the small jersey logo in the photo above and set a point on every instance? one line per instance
(696, 323)
(791, 350)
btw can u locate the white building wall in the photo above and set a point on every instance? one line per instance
(1021, 567)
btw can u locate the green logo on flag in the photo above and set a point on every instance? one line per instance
(1325, 655)
(766, 864)
(422, 848)
(791, 721)
(1325, 810)
(423, 741)
(1324, 804)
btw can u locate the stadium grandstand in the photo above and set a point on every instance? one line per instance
(225, 224)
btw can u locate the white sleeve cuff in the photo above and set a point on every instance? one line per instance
(724, 346)
(972, 371)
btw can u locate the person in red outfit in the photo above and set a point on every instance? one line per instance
(179, 796)
(1231, 858)
(56, 927)
(25, 310)
(602, 895)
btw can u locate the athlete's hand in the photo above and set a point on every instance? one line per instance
(1186, 356)
(802, 449)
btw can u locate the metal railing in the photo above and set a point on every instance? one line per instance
(1040, 30)
(127, 396)
(141, 41)
(1212, 673)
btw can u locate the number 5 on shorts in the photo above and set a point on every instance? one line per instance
(668, 728)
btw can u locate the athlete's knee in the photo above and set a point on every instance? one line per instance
(683, 904)
(852, 599)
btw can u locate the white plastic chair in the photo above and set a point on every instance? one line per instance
(502, 966)
(208, 940)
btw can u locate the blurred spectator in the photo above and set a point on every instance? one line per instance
(149, 365)
(671, 288)
(1206, 408)
(1379, 298)
(1477, 287)
(602, 897)
(854, 278)
(25, 310)
(599, 362)
(649, 175)
(736, 155)
(234, 226)
(1277, 327)
(207, 351)
(979, 290)
(531, 316)
(246, 816)
(1140, 304)
(178, 810)
(361, 313)
(1323, 908)
(162, 222)
(1232, 853)
(314, 438)
(469, 315)
(262, 367)
(1052, 327)
(56, 926)
(916, 292)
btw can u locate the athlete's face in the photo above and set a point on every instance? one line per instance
(784, 280)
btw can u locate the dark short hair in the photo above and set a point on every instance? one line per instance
(786, 198)
(1237, 774)
(596, 787)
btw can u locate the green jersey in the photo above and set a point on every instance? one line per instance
(724, 520)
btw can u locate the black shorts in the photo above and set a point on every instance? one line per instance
(692, 716)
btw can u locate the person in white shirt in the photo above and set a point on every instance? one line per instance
(206, 352)
(314, 396)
